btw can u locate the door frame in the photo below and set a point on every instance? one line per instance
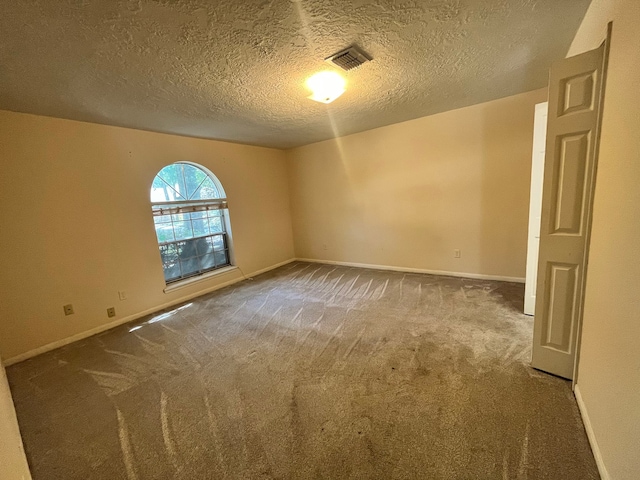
(535, 204)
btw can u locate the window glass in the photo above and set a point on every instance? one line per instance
(189, 209)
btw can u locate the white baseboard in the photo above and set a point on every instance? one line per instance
(478, 276)
(268, 269)
(604, 475)
(129, 318)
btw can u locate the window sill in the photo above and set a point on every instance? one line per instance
(187, 282)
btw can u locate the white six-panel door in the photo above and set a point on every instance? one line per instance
(575, 97)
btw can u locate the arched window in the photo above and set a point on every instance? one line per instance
(189, 205)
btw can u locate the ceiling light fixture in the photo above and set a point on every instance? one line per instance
(326, 86)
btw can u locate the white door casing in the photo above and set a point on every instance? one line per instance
(13, 462)
(535, 204)
(575, 99)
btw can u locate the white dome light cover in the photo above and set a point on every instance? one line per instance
(326, 86)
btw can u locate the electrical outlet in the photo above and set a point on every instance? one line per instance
(68, 309)
(122, 295)
(111, 312)
(456, 253)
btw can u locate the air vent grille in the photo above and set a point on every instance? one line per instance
(349, 59)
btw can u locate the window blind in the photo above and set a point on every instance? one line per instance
(175, 208)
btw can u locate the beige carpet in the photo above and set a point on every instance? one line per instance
(310, 371)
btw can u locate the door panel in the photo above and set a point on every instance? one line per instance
(562, 284)
(575, 97)
(568, 189)
(578, 93)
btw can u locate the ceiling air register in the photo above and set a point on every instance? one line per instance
(349, 59)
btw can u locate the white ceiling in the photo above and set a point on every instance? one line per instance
(235, 69)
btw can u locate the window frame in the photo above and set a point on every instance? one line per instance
(180, 207)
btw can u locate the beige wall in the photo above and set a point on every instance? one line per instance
(609, 369)
(408, 194)
(77, 225)
(13, 463)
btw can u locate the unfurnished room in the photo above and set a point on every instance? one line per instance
(300, 239)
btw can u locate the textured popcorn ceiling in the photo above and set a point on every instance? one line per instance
(235, 69)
